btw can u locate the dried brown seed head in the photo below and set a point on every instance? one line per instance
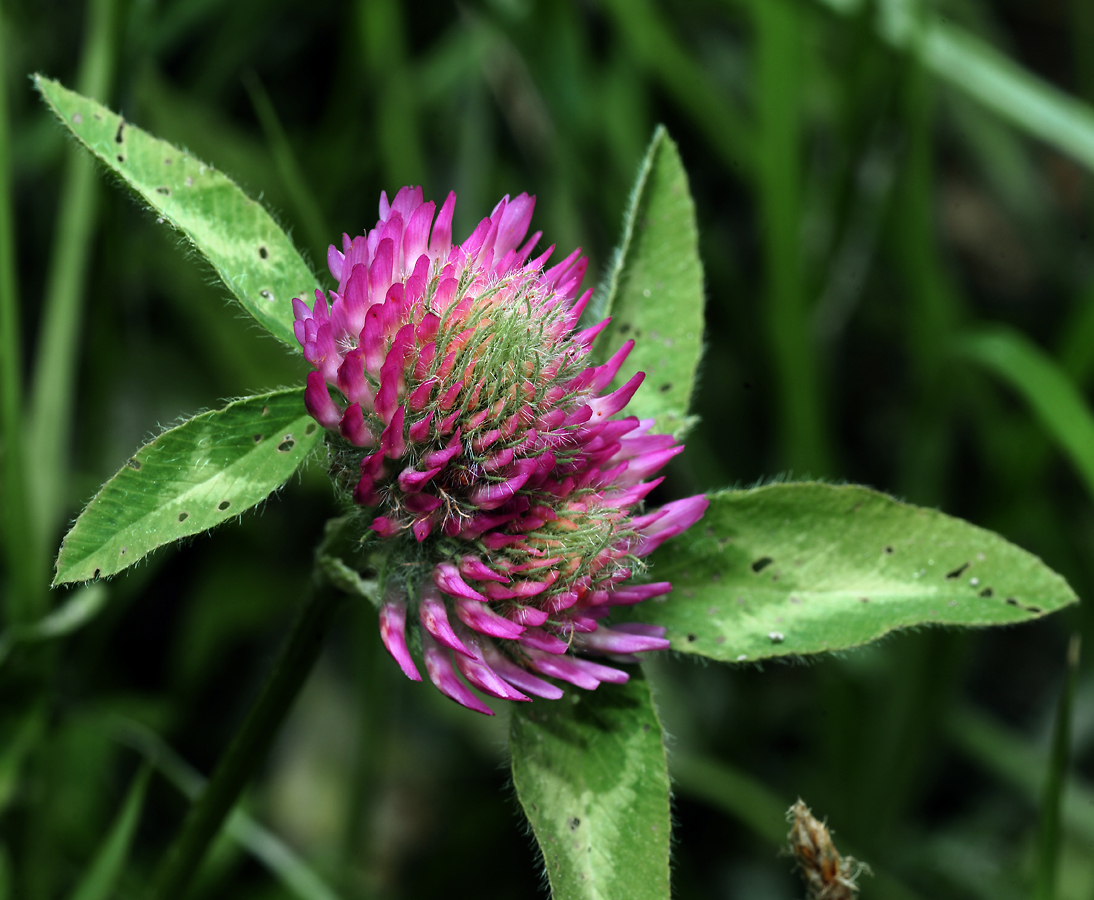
(827, 875)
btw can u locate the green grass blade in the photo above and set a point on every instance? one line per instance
(18, 548)
(1048, 831)
(296, 185)
(79, 608)
(101, 879)
(1075, 349)
(1020, 764)
(802, 443)
(934, 303)
(238, 238)
(654, 289)
(250, 745)
(650, 40)
(1009, 90)
(53, 384)
(968, 64)
(293, 872)
(383, 52)
(1053, 397)
(208, 469)
(591, 774)
(793, 569)
(27, 737)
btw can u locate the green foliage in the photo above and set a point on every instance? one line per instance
(1049, 836)
(294, 873)
(974, 67)
(102, 876)
(79, 608)
(591, 775)
(806, 568)
(191, 478)
(653, 290)
(1054, 398)
(795, 120)
(253, 257)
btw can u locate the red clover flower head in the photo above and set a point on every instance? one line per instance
(504, 484)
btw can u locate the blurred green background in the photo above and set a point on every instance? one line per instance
(895, 205)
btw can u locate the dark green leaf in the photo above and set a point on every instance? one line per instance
(591, 775)
(654, 289)
(246, 247)
(206, 470)
(804, 568)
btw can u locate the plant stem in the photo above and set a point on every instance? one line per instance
(249, 746)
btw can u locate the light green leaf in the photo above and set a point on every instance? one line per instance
(102, 877)
(206, 470)
(246, 247)
(1053, 396)
(804, 568)
(591, 774)
(653, 289)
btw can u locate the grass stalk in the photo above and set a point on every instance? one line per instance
(779, 50)
(1048, 830)
(249, 747)
(931, 300)
(383, 45)
(17, 545)
(50, 416)
(292, 176)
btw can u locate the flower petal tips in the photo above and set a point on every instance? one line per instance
(504, 481)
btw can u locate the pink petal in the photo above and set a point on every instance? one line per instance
(434, 618)
(318, 402)
(518, 676)
(393, 634)
(438, 664)
(481, 618)
(447, 577)
(607, 640)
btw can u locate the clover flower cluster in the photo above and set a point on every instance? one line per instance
(504, 484)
